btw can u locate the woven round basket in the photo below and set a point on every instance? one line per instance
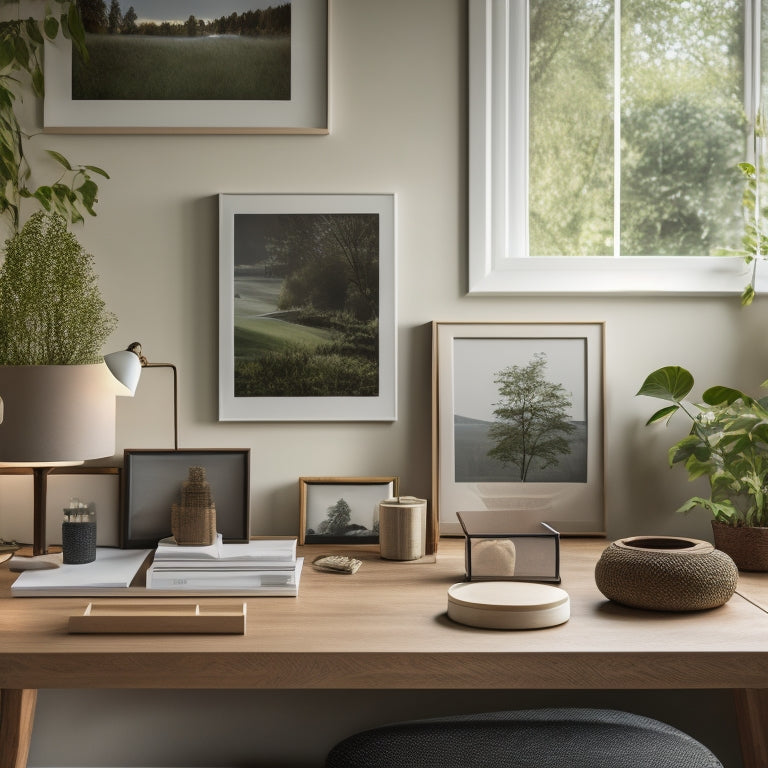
(666, 573)
(747, 546)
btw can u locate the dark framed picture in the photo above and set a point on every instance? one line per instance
(183, 66)
(152, 481)
(307, 314)
(518, 423)
(342, 510)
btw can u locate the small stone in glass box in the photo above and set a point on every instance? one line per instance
(499, 548)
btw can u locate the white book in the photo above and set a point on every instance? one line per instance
(257, 582)
(264, 553)
(112, 569)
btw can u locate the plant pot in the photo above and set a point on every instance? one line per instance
(747, 545)
(666, 573)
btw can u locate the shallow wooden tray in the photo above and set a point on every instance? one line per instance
(154, 617)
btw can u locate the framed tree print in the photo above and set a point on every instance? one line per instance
(307, 317)
(518, 423)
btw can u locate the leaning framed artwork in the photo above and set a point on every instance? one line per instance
(307, 314)
(152, 481)
(163, 66)
(518, 423)
(342, 510)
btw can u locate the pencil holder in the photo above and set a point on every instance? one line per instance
(78, 542)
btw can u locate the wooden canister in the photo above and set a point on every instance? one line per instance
(403, 528)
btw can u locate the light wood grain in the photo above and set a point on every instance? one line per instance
(159, 618)
(17, 713)
(386, 627)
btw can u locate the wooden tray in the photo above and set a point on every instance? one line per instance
(154, 617)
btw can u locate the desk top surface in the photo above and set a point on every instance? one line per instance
(386, 627)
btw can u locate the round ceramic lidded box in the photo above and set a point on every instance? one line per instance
(508, 605)
(666, 573)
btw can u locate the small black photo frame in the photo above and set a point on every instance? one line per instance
(152, 484)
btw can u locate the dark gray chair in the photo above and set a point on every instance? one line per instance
(532, 738)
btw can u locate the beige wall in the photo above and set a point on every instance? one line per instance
(398, 125)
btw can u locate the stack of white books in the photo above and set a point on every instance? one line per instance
(260, 567)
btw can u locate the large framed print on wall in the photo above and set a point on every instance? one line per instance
(518, 423)
(247, 67)
(307, 313)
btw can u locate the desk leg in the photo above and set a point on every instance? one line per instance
(17, 711)
(752, 717)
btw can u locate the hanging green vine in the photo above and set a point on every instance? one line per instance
(21, 48)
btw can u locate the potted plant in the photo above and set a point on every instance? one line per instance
(21, 46)
(728, 444)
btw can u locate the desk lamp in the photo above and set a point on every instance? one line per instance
(126, 366)
(53, 416)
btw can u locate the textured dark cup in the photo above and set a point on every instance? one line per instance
(78, 542)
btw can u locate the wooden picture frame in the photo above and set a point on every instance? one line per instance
(564, 485)
(303, 111)
(95, 485)
(317, 495)
(278, 357)
(152, 483)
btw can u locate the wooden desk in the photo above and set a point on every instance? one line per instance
(385, 628)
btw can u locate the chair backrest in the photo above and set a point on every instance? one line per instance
(537, 738)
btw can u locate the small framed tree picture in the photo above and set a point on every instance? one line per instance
(342, 510)
(518, 423)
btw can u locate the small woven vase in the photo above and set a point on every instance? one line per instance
(666, 573)
(193, 522)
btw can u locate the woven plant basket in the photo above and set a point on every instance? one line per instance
(747, 546)
(666, 573)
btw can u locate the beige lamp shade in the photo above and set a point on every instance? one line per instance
(54, 414)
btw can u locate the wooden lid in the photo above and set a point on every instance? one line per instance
(508, 604)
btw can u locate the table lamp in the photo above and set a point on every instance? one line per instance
(126, 366)
(53, 416)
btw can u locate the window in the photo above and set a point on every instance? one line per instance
(604, 142)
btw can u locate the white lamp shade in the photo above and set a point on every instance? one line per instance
(125, 366)
(53, 414)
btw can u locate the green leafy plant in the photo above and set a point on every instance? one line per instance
(51, 310)
(21, 45)
(754, 242)
(728, 444)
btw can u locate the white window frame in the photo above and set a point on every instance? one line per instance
(499, 262)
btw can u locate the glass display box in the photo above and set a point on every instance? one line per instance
(497, 548)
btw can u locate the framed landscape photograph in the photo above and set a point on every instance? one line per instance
(192, 66)
(307, 315)
(518, 423)
(152, 481)
(342, 510)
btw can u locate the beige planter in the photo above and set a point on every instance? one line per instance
(748, 546)
(52, 414)
(666, 573)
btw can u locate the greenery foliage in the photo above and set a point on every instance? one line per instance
(51, 311)
(74, 192)
(681, 122)
(728, 444)
(324, 338)
(133, 67)
(531, 418)
(261, 21)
